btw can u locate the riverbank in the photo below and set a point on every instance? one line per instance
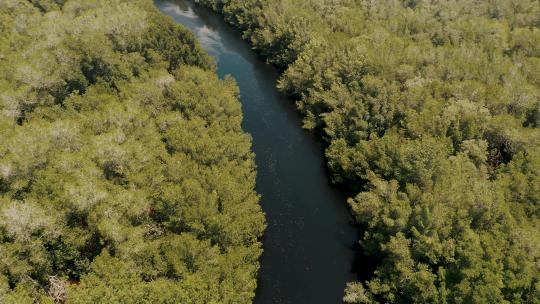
(431, 112)
(310, 242)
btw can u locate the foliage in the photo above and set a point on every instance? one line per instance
(430, 111)
(125, 176)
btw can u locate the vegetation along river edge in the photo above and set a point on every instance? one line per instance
(431, 115)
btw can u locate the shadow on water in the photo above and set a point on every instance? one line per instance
(310, 244)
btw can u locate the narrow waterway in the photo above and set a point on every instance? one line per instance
(310, 243)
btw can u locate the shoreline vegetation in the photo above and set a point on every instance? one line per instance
(431, 114)
(125, 176)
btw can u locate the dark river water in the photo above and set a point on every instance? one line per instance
(310, 243)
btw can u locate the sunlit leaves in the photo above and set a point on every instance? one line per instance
(123, 167)
(431, 111)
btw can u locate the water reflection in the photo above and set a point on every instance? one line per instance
(210, 40)
(179, 9)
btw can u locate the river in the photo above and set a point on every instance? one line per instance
(310, 242)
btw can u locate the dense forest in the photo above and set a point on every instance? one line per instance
(431, 112)
(125, 176)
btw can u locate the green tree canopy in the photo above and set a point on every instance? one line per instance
(430, 110)
(125, 176)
